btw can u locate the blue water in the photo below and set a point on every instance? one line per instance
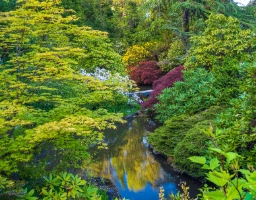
(132, 166)
(148, 192)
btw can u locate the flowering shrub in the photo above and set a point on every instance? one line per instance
(164, 82)
(146, 73)
(123, 84)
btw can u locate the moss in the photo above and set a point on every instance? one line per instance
(167, 137)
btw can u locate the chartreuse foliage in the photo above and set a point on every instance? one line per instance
(42, 24)
(134, 55)
(44, 101)
(222, 43)
(138, 53)
(197, 92)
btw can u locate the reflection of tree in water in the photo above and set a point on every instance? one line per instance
(128, 157)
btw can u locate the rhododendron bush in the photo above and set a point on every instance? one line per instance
(146, 73)
(164, 82)
(197, 92)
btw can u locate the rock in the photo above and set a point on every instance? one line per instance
(137, 114)
(107, 185)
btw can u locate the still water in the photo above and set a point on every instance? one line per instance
(132, 166)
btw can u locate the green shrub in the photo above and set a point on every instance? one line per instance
(166, 138)
(222, 40)
(193, 144)
(196, 93)
(228, 79)
(175, 56)
(62, 186)
(236, 125)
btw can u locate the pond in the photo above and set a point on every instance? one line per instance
(133, 167)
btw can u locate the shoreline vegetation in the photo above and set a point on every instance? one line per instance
(67, 69)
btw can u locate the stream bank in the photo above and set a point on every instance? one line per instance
(132, 166)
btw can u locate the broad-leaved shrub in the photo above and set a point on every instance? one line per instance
(223, 41)
(138, 53)
(197, 92)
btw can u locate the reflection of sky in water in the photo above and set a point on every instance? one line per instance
(148, 192)
(137, 173)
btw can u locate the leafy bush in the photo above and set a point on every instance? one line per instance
(228, 79)
(197, 92)
(166, 138)
(237, 124)
(175, 56)
(193, 144)
(222, 40)
(146, 73)
(62, 186)
(230, 180)
(66, 185)
(164, 82)
(134, 55)
(35, 114)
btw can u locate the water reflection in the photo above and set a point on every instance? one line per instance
(132, 167)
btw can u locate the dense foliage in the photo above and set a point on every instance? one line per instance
(225, 172)
(45, 103)
(197, 92)
(223, 42)
(54, 105)
(146, 73)
(166, 81)
(175, 56)
(135, 54)
(64, 186)
(195, 143)
(166, 138)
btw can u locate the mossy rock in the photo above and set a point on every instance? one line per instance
(167, 137)
(193, 144)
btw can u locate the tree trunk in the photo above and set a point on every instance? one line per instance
(185, 27)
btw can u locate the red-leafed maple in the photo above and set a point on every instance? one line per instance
(146, 73)
(164, 82)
